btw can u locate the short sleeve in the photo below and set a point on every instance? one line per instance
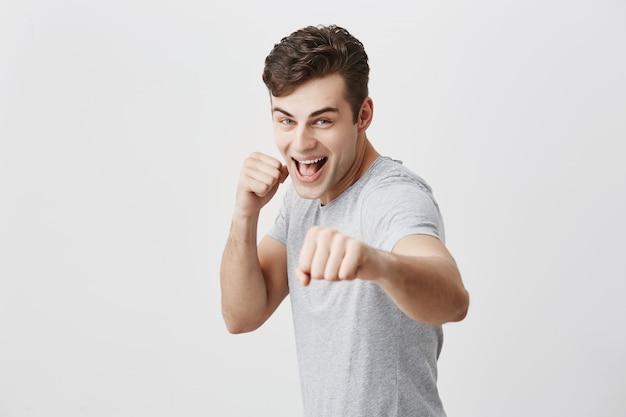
(397, 207)
(279, 229)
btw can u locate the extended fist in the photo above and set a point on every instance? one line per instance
(329, 255)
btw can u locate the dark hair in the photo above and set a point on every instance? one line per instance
(314, 52)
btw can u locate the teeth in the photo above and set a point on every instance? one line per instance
(311, 161)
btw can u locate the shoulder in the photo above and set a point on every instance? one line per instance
(397, 202)
(387, 174)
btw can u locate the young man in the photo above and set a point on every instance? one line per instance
(358, 242)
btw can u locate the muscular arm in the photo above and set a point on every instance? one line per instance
(422, 278)
(252, 286)
(419, 275)
(253, 278)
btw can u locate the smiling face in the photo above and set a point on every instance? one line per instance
(314, 129)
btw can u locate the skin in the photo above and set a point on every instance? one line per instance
(315, 122)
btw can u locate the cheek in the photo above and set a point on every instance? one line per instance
(280, 140)
(344, 143)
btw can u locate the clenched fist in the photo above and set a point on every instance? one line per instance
(259, 179)
(329, 255)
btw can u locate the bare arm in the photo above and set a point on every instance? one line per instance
(419, 275)
(422, 278)
(253, 278)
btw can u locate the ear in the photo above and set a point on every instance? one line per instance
(365, 115)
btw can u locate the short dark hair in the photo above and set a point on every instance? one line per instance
(314, 52)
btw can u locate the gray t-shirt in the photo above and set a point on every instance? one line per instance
(358, 354)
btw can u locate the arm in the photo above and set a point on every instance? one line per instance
(423, 280)
(419, 275)
(253, 278)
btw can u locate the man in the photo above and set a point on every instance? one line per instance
(358, 242)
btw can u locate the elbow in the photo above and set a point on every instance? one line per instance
(235, 325)
(455, 311)
(235, 329)
(238, 328)
(462, 306)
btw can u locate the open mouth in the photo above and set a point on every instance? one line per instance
(309, 167)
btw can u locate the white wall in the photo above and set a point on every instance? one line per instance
(122, 128)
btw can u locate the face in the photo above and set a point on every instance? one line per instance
(315, 132)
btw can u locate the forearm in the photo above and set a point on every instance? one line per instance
(244, 291)
(426, 288)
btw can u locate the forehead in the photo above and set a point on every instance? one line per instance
(313, 95)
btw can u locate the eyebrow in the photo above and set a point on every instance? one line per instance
(314, 114)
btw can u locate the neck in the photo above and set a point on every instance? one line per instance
(364, 160)
(369, 156)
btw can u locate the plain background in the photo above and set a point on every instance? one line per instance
(123, 125)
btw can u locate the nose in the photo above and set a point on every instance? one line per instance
(304, 139)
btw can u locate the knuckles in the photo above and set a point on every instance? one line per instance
(330, 255)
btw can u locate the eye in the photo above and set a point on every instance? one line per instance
(322, 122)
(287, 122)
